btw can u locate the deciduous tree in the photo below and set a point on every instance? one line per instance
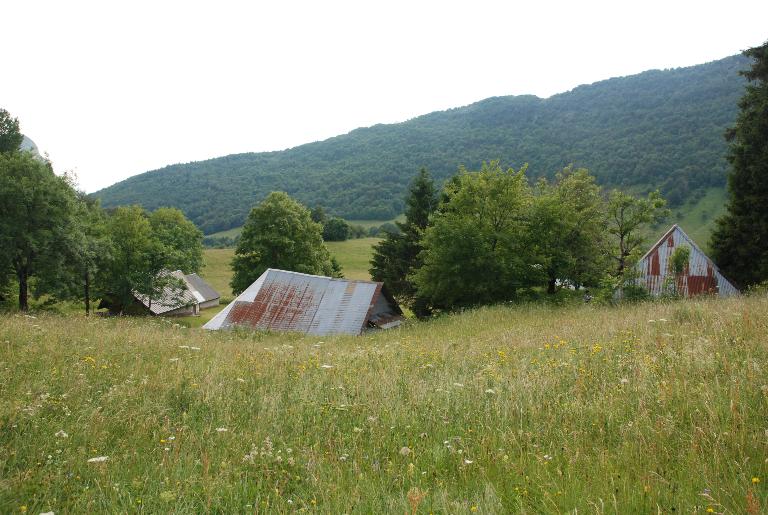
(279, 233)
(477, 249)
(36, 215)
(627, 216)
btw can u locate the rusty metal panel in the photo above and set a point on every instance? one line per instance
(701, 275)
(290, 301)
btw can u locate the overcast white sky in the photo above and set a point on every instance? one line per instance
(113, 89)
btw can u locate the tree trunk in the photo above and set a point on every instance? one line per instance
(23, 289)
(552, 285)
(87, 293)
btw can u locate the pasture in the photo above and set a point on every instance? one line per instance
(583, 409)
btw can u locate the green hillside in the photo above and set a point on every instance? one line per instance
(658, 129)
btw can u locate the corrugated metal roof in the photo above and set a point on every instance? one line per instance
(172, 297)
(197, 284)
(289, 301)
(700, 276)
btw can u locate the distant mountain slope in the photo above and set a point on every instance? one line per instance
(658, 129)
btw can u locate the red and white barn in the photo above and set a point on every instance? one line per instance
(701, 275)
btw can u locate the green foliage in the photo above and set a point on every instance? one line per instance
(658, 129)
(568, 229)
(36, 213)
(335, 229)
(136, 258)
(740, 241)
(397, 257)
(477, 249)
(10, 136)
(628, 216)
(279, 233)
(181, 239)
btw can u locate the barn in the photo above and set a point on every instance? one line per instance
(280, 300)
(701, 275)
(206, 296)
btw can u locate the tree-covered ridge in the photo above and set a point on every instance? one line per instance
(658, 129)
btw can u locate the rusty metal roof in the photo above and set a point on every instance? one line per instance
(701, 275)
(289, 301)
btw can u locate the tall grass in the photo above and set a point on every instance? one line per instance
(651, 408)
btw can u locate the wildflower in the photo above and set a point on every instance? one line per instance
(473, 509)
(47, 513)
(23, 508)
(755, 480)
(624, 380)
(405, 451)
(710, 509)
(344, 457)
(221, 429)
(240, 380)
(172, 360)
(98, 459)
(490, 391)
(61, 434)
(194, 348)
(326, 366)
(468, 462)
(357, 430)
(411, 469)
(458, 385)
(548, 457)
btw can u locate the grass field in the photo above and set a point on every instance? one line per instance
(353, 255)
(654, 408)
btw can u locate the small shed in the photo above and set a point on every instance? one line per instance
(701, 275)
(280, 300)
(176, 299)
(206, 296)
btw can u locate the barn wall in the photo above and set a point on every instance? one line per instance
(700, 277)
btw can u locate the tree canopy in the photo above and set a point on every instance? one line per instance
(10, 136)
(279, 233)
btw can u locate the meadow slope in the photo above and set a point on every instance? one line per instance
(657, 407)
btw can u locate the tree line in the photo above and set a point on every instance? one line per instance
(491, 236)
(58, 244)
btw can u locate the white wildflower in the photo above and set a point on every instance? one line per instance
(221, 430)
(173, 359)
(183, 346)
(458, 385)
(61, 434)
(98, 459)
(326, 366)
(490, 391)
(624, 380)
(405, 451)
(468, 462)
(194, 348)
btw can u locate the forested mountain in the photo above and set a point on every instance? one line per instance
(658, 129)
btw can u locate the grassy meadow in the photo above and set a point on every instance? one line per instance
(585, 409)
(353, 255)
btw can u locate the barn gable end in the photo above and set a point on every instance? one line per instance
(701, 275)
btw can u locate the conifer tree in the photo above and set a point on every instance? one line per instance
(396, 257)
(740, 241)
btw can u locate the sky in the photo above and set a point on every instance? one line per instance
(113, 89)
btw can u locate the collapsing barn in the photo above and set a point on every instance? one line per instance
(701, 275)
(289, 301)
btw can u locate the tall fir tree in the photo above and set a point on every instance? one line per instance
(396, 257)
(740, 241)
